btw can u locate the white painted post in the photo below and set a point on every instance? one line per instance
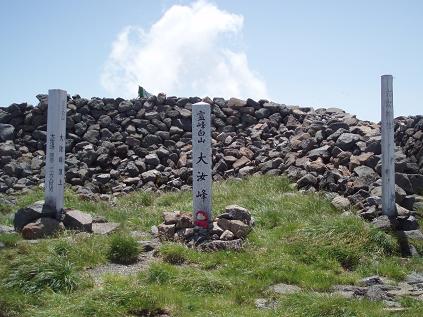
(201, 165)
(388, 162)
(55, 153)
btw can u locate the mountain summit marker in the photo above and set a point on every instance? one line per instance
(201, 165)
(55, 150)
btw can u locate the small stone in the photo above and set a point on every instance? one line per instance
(91, 136)
(154, 230)
(263, 303)
(227, 235)
(235, 212)
(407, 223)
(42, 228)
(104, 228)
(244, 151)
(6, 229)
(184, 220)
(246, 170)
(103, 178)
(238, 228)
(349, 291)
(169, 218)
(282, 288)
(321, 152)
(240, 162)
(166, 232)
(392, 304)
(31, 213)
(401, 211)
(414, 278)
(218, 245)
(6, 132)
(150, 176)
(366, 173)
(217, 229)
(78, 220)
(371, 280)
(187, 233)
(412, 234)
(307, 181)
(341, 203)
(152, 159)
(149, 245)
(99, 219)
(382, 222)
(377, 293)
(346, 141)
(236, 103)
(180, 220)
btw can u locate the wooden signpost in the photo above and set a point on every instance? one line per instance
(201, 165)
(55, 152)
(388, 160)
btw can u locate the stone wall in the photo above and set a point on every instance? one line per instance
(409, 135)
(116, 146)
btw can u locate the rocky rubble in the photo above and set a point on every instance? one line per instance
(409, 135)
(373, 288)
(115, 146)
(39, 221)
(227, 232)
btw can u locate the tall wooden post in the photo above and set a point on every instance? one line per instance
(55, 153)
(201, 165)
(388, 144)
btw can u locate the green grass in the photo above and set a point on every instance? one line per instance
(10, 240)
(123, 249)
(298, 239)
(55, 273)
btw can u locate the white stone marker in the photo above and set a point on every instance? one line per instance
(201, 165)
(388, 144)
(55, 153)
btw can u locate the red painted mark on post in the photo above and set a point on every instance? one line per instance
(201, 219)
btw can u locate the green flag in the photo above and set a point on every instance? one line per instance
(142, 93)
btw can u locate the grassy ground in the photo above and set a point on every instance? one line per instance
(298, 239)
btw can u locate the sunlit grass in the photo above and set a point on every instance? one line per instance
(298, 239)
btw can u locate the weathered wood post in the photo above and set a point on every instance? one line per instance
(201, 165)
(388, 161)
(55, 152)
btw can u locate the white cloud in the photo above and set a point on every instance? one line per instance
(187, 52)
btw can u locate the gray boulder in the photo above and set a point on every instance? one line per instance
(6, 229)
(152, 159)
(341, 203)
(6, 132)
(217, 245)
(366, 173)
(237, 227)
(235, 212)
(104, 228)
(307, 181)
(78, 220)
(42, 228)
(282, 288)
(346, 141)
(31, 213)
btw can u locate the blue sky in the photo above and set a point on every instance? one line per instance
(314, 53)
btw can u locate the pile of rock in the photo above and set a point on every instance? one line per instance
(373, 288)
(227, 232)
(115, 146)
(40, 221)
(409, 135)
